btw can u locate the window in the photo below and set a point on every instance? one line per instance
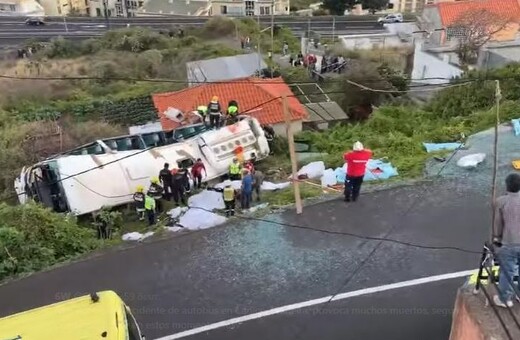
(153, 139)
(265, 10)
(185, 163)
(250, 8)
(90, 149)
(98, 12)
(125, 143)
(223, 10)
(86, 3)
(12, 8)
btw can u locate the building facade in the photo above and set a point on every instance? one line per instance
(114, 8)
(249, 8)
(21, 8)
(412, 6)
(65, 7)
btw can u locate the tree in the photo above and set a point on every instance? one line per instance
(473, 29)
(338, 7)
(374, 5)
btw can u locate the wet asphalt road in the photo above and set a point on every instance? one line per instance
(213, 275)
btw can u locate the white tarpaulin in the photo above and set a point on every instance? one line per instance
(328, 178)
(208, 200)
(269, 186)
(176, 212)
(234, 184)
(136, 236)
(313, 170)
(471, 161)
(197, 219)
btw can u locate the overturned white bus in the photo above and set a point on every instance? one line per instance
(106, 172)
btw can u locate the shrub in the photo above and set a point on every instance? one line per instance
(33, 238)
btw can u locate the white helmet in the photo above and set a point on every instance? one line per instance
(357, 146)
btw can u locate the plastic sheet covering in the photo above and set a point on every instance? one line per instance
(176, 212)
(516, 126)
(471, 161)
(136, 236)
(197, 219)
(208, 200)
(432, 147)
(328, 178)
(377, 169)
(269, 186)
(313, 170)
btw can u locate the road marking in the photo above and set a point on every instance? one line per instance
(300, 305)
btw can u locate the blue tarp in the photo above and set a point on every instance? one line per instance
(376, 169)
(516, 126)
(431, 147)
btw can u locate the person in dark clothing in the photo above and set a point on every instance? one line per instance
(139, 201)
(246, 192)
(269, 135)
(232, 112)
(166, 179)
(149, 205)
(215, 112)
(156, 191)
(178, 186)
(258, 180)
(186, 177)
(229, 195)
(196, 173)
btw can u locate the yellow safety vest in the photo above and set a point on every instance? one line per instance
(149, 203)
(229, 194)
(234, 168)
(202, 109)
(232, 110)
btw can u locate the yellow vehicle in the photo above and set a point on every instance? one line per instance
(101, 315)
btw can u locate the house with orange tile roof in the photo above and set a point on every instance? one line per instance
(443, 20)
(259, 98)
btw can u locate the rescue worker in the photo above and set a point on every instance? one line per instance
(234, 170)
(186, 177)
(156, 191)
(178, 186)
(249, 166)
(214, 111)
(356, 166)
(202, 110)
(246, 192)
(139, 201)
(269, 135)
(258, 180)
(149, 205)
(232, 112)
(229, 195)
(196, 173)
(166, 179)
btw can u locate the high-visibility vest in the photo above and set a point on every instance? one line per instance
(232, 110)
(202, 109)
(234, 168)
(149, 203)
(229, 194)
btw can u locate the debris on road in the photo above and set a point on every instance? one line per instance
(136, 236)
(471, 161)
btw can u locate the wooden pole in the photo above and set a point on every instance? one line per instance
(292, 153)
(498, 96)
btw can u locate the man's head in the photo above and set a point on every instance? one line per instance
(166, 165)
(199, 160)
(513, 183)
(358, 146)
(235, 160)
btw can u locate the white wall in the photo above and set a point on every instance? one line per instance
(370, 41)
(279, 129)
(426, 65)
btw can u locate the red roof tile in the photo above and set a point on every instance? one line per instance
(259, 98)
(450, 12)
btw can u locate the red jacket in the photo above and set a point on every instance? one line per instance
(196, 169)
(357, 162)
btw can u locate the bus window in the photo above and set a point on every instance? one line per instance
(125, 143)
(133, 329)
(185, 163)
(153, 139)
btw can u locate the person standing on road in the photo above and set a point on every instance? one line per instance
(196, 173)
(506, 237)
(246, 191)
(356, 166)
(178, 186)
(149, 205)
(258, 180)
(234, 170)
(156, 191)
(139, 198)
(229, 194)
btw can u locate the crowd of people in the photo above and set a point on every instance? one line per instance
(176, 184)
(329, 63)
(216, 116)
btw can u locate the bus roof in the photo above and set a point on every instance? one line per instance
(78, 318)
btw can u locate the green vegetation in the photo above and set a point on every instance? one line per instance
(33, 238)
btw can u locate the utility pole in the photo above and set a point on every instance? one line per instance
(258, 46)
(272, 27)
(498, 97)
(292, 153)
(64, 18)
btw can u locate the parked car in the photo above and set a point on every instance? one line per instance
(391, 18)
(34, 21)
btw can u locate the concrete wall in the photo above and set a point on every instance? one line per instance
(464, 326)
(365, 41)
(279, 129)
(426, 65)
